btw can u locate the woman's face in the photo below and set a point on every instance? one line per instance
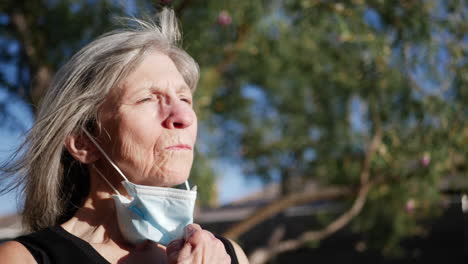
(149, 124)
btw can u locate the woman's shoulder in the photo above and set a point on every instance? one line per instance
(15, 252)
(234, 250)
(241, 257)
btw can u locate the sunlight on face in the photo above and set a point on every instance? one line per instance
(150, 124)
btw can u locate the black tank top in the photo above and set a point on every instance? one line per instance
(54, 245)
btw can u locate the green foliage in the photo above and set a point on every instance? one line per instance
(203, 176)
(299, 87)
(307, 83)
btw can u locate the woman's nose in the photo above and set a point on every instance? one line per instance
(180, 116)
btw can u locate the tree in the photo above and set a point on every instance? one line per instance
(360, 95)
(366, 98)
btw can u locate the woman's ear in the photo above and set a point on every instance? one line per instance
(81, 148)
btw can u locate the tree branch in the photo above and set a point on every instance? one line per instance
(41, 73)
(374, 145)
(282, 203)
(262, 255)
(293, 199)
(21, 26)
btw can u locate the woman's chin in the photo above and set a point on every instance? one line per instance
(168, 179)
(175, 180)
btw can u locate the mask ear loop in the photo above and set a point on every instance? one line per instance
(113, 164)
(105, 155)
(108, 182)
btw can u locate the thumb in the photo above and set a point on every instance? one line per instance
(190, 229)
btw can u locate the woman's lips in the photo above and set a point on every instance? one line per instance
(180, 147)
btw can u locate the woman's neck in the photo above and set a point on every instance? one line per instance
(96, 223)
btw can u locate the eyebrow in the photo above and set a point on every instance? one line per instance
(180, 88)
(183, 88)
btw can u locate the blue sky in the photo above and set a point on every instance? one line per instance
(10, 137)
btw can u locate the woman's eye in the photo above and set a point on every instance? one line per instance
(149, 98)
(145, 100)
(187, 100)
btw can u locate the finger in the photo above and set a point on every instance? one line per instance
(173, 249)
(175, 246)
(190, 230)
(185, 254)
(211, 235)
(203, 239)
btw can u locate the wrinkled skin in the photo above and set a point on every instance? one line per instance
(149, 125)
(149, 131)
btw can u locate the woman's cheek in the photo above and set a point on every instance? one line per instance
(136, 156)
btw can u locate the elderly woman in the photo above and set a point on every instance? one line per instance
(115, 131)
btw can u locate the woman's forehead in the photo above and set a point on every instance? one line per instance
(156, 73)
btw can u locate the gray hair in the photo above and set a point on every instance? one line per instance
(55, 185)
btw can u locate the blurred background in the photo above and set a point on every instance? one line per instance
(329, 131)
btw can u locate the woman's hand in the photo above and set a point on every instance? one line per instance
(198, 246)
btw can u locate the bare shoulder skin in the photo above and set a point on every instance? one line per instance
(15, 253)
(239, 253)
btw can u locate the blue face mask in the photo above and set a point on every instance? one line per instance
(153, 213)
